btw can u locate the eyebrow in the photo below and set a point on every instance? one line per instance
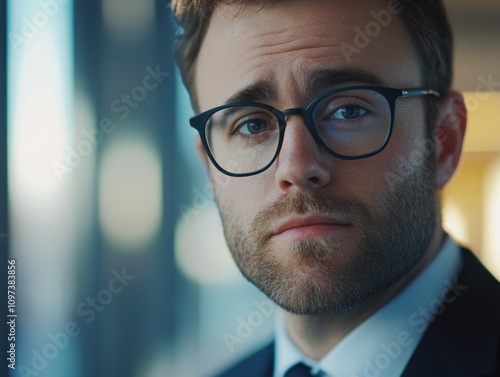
(325, 79)
(261, 91)
(318, 81)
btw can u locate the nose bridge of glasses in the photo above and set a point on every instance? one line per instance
(293, 111)
(303, 112)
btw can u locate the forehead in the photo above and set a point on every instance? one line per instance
(284, 45)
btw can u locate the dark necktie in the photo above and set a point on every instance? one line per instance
(299, 370)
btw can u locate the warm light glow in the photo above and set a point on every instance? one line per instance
(455, 222)
(491, 251)
(483, 113)
(130, 193)
(201, 252)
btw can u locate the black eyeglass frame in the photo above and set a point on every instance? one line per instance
(200, 121)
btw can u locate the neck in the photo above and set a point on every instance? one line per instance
(315, 336)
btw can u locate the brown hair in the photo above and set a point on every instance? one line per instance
(425, 20)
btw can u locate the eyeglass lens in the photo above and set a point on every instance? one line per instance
(245, 139)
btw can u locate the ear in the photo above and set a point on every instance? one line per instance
(450, 131)
(201, 151)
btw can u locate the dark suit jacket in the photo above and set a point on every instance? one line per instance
(462, 341)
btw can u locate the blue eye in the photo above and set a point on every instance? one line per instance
(348, 112)
(252, 127)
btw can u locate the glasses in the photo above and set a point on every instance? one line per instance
(244, 139)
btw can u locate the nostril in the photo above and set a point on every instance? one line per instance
(314, 180)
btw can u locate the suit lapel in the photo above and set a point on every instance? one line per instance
(463, 339)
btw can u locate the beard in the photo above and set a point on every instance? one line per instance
(327, 275)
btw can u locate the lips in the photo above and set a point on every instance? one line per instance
(314, 224)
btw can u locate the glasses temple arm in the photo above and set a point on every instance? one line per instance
(420, 92)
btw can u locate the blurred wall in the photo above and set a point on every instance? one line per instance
(122, 266)
(471, 199)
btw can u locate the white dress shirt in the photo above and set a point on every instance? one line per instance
(383, 344)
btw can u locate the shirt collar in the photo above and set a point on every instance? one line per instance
(385, 341)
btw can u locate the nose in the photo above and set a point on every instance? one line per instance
(301, 164)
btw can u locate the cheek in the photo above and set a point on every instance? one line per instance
(240, 197)
(375, 177)
(406, 151)
(365, 180)
(409, 144)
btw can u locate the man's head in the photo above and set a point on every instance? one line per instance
(425, 22)
(319, 233)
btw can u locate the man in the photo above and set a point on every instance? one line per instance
(337, 127)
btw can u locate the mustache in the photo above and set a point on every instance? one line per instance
(303, 204)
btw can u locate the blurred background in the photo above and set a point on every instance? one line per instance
(121, 265)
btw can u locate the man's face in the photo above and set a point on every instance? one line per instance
(319, 234)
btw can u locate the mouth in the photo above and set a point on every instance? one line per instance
(311, 226)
